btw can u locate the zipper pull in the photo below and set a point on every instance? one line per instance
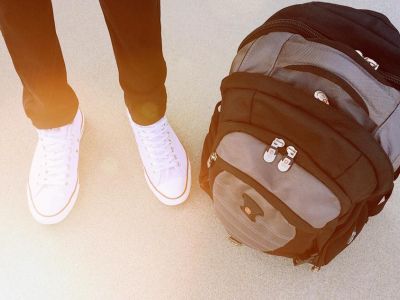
(352, 237)
(360, 53)
(287, 162)
(270, 154)
(321, 96)
(372, 63)
(213, 157)
(234, 241)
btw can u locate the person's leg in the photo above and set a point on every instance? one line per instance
(135, 32)
(29, 32)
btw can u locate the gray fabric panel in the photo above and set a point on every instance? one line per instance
(237, 62)
(260, 55)
(381, 100)
(267, 233)
(299, 190)
(311, 83)
(388, 136)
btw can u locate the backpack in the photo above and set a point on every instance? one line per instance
(305, 144)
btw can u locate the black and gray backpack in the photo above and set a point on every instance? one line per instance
(305, 145)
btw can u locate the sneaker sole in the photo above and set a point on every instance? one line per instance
(62, 214)
(172, 201)
(57, 218)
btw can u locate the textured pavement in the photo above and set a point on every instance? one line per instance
(119, 242)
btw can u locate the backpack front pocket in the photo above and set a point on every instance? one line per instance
(299, 190)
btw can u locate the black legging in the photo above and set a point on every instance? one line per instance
(134, 25)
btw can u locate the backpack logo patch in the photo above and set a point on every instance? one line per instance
(251, 208)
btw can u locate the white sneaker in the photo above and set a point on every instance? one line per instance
(53, 181)
(166, 165)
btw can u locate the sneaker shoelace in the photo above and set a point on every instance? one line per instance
(57, 148)
(158, 144)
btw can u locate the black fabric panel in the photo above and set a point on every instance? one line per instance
(301, 246)
(363, 30)
(362, 181)
(340, 239)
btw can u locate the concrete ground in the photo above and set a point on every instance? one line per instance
(119, 242)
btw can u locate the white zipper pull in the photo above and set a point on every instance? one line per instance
(372, 62)
(234, 241)
(321, 96)
(271, 153)
(287, 162)
(213, 157)
(360, 53)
